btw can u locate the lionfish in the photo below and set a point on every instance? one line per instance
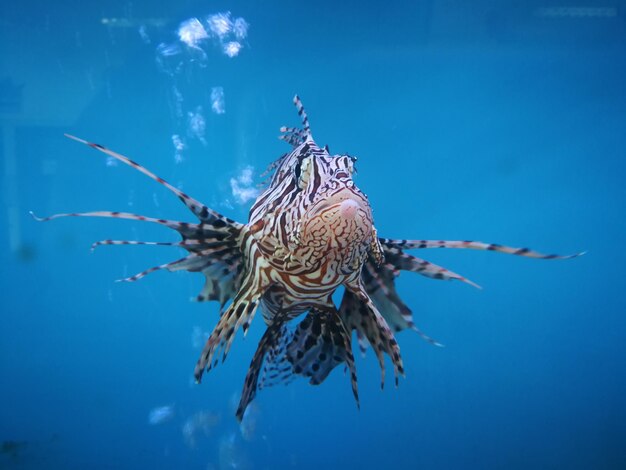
(310, 232)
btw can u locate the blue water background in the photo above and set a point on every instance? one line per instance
(471, 120)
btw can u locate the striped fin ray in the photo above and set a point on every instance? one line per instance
(355, 316)
(216, 251)
(136, 242)
(379, 280)
(241, 311)
(178, 226)
(475, 245)
(271, 338)
(303, 116)
(195, 262)
(214, 242)
(395, 257)
(276, 368)
(200, 210)
(318, 344)
(358, 312)
(269, 174)
(244, 304)
(202, 234)
(379, 283)
(380, 286)
(169, 266)
(293, 136)
(272, 166)
(222, 280)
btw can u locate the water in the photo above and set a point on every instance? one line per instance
(470, 120)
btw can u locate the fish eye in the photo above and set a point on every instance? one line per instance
(350, 163)
(302, 172)
(297, 170)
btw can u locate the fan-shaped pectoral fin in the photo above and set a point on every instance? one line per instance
(256, 280)
(367, 320)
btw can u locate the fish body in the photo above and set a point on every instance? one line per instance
(309, 233)
(315, 229)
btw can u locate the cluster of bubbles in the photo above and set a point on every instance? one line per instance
(205, 428)
(179, 147)
(191, 124)
(217, 100)
(198, 337)
(228, 33)
(196, 125)
(230, 453)
(197, 39)
(161, 414)
(199, 425)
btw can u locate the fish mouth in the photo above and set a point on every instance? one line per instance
(338, 230)
(347, 208)
(345, 204)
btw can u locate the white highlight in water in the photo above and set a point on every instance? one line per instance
(161, 414)
(196, 125)
(240, 28)
(220, 24)
(232, 48)
(241, 186)
(143, 34)
(227, 34)
(217, 100)
(168, 50)
(191, 32)
(231, 453)
(179, 146)
(199, 424)
(167, 58)
(248, 424)
(246, 176)
(198, 337)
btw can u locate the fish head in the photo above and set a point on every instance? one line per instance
(336, 224)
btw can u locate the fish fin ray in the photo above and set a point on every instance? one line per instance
(241, 311)
(200, 210)
(474, 245)
(359, 312)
